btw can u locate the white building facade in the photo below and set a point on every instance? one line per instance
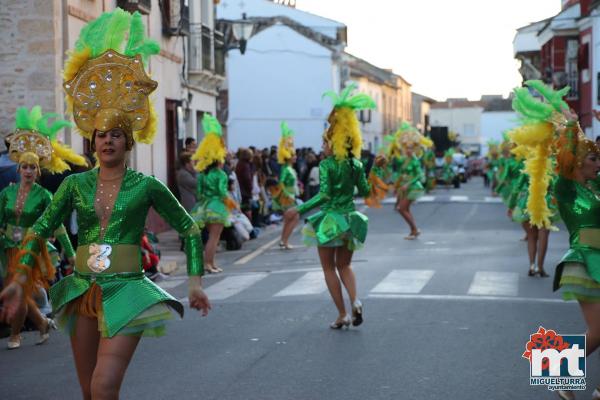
(282, 75)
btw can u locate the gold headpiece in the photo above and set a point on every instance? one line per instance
(34, 141)
(107, 86)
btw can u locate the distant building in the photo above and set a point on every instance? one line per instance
(287, 66)
(391, 93)
(462, 117)
(421, 111)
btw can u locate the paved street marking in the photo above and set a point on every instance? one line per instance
(256, 253)
(494, 284)
(426, 199)
(404, 281)
(233, 285)
(172, 282)
(468, 298)
(489, 199)
(309, 283)
(459, 198)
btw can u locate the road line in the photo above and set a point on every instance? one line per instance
(233, 285)
(490, 283)
(426, 199)
(403, 281)
(468, 298)
(309, 283)
(171, 282)
(256, 253)
(489, 199)
(459, 198)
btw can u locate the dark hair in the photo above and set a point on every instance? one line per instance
(189, 141)
(212, 166)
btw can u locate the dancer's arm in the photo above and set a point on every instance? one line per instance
(323, 195)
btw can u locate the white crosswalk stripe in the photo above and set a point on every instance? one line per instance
(490, 283)
(233, 285)
(404, 281)
(397, 284)
(309, 283)
(459, 198)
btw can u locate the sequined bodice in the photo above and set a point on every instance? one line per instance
(579, 206)
(36, 202)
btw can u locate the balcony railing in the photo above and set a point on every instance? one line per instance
(175, 17)
(143, 6)
(201, 48)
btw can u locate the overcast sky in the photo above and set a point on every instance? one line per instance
(458, 48)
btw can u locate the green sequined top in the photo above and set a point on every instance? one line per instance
(137, 194)
(38, 199)
(288, 181)
(212, 185)
(579, 208)
(336, 188)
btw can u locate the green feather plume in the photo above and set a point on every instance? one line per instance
(108, 31)
(36, 121)
(116, 29)
(360, 101)
(285, 130)
(554, 97)
(211, 125)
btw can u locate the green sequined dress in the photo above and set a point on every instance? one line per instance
(212, 193)
(287, 190)
(14, 228)
(130, 303)
(410, 174)
(578, 273)
(337, 223)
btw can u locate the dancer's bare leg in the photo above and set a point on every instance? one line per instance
(84, 344)
(114, 355)
(327, 257)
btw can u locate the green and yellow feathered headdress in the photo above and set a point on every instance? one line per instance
(541, 134)
(212, 148)
(286, 149)
(104, 77)
(34, 141)
(343, 134)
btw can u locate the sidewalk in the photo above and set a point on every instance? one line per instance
(170, 253)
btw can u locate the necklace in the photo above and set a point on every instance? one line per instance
(22, 194)
(106, 195)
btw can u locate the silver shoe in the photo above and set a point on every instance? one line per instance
(14, 342)
(357, 313)
(44, 336)
(566, 394)
(340, 323)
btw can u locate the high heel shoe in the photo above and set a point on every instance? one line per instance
(14, 342)
(543, 273)
(532, 270)
(45, 335)
(340, 323)
(357, 313)
(596, 394)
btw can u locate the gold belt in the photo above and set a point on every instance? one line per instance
(590, 237)
(94, 258)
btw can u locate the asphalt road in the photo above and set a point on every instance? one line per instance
(447, 316)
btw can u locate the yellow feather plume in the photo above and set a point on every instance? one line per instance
(210, 150)
(533, 142)
(75, 62)
(147, 134)
(61, 154)
(345, 134)
(284, 151)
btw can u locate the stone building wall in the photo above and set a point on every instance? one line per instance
(30, 58)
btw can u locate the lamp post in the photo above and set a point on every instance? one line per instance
(242, 31)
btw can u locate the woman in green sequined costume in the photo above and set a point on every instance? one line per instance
(285, 193)
(22, 204)
(409, 173)
(107, 302)
(338, 229)
(212, 211)
(552, 129)
(448, 168)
